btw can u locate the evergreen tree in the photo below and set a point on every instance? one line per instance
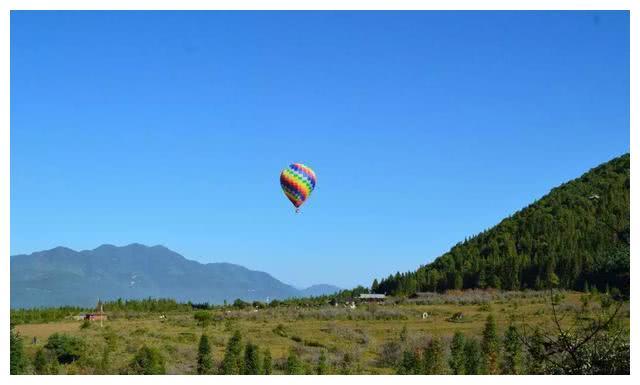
(322, 364)
(147, 361)
(18, 360)
(490, 347)
(535, 353)
(267, 362)
(251, 359)
(512, 359)
(294, 365)
(232, 362)
(472, 356)
(375, 286)
(205, 360)
(410, 364)
(457, 356)
(433, 358)
(40, 362)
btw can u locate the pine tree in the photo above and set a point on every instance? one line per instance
(18, 360)
(205, 361)
(535, 353)
(433, 358)
(147, 361)
(251, 359)
(40, 363)
(409, 364)
(512, 360)
(267, 362)
(472, 357)
(322, 364)
(294, 366)
(457, 356)
(232, 361)
(490, 347)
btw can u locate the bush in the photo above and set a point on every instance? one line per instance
(147, 361)
(390, 354)
(280, 330)
(202, 317)
(65, 348)
(205, 361)
(294, 365)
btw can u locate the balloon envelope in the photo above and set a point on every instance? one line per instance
(297, 182)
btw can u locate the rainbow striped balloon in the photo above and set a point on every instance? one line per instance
(297, 182)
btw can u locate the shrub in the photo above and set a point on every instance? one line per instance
(147, 361)
(390, 354)
(490, 347)
(294, 365)
(267, 362)
(457, 356)
(205, 361)
(251, 359)
(232, 362)
(203, 318)
(433, 360)
(65, 348)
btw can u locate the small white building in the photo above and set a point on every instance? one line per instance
(372, 297)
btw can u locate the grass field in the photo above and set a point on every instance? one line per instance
(361, 332)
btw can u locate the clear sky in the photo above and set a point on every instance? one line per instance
(172, 128)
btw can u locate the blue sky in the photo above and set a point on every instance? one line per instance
(422, 127)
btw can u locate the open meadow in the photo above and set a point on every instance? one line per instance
(367, 339)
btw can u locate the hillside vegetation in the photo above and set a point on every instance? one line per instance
(575, 237)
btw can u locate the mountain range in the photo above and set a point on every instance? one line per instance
(62, 276)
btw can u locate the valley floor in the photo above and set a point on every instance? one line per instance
(366, 333)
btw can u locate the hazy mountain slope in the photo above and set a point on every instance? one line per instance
(318, 290)
(576, 236)
(62, 276)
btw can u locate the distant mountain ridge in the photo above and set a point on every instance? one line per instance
(62, 276)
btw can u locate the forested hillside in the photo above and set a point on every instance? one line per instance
(575, 237)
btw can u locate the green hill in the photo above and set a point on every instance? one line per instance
(575, 237)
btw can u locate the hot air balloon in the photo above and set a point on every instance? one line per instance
(297, 182)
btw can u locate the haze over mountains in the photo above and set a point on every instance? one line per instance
(62, 276)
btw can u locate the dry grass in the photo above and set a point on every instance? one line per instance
(308, 331)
